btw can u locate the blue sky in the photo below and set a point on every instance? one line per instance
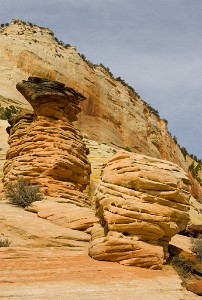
(154, 45)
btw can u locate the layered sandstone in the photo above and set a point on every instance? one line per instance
(111, 114)
(45, 148)
(26, 230)
(141, 202)
(66, 215)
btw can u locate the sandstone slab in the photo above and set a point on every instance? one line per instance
(67, 215)
(26, 229)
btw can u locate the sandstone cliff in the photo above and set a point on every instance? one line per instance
(112, 113)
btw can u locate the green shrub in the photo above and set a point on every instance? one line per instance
(127, 149)
(22, 193)
(184, 151)
(197, 247)
(195, 171)
(5, 242)
(7, 112)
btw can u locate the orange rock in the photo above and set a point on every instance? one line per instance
(45, 148)
(195, 287)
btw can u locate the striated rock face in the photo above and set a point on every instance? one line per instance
(111, 114)
(45, 148)
(141, 202)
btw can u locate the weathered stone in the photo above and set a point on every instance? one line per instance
(45, 148)
(182, 242)
(26, 229)
(195, 287)
(194, 230)
(141, 202)
(67, 215)
(3, 148)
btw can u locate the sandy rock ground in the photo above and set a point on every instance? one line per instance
(48, 261)
(56, 274)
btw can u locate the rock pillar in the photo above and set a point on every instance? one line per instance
(45, 148)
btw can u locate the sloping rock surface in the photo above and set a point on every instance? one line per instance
(67, 215)
(141, 202)
(26, 229)
(56, 274)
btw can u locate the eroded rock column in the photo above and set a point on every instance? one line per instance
(45, 148)
(141, 203)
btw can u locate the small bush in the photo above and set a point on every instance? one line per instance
(127, 149)
(5, 242)
(22, 193)
(184, 151)
(195, 171)
(7, 112)
(197, 247)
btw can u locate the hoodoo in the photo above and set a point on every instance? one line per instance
(45, 148)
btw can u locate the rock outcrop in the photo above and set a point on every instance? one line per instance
(45, 148)
(196, 188)
(141, 202)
